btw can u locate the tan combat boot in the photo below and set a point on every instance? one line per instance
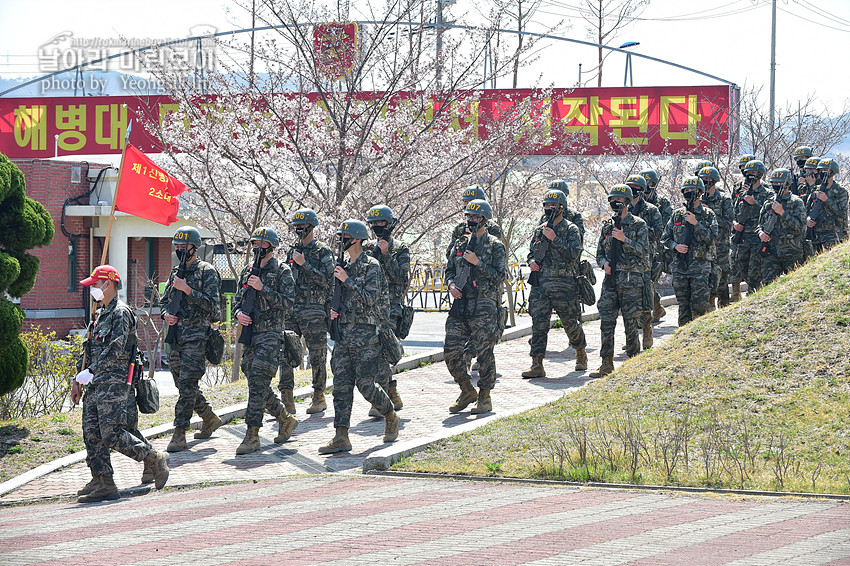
(211, 423)
(158, 463)
(106, 490)
(339, 443)
(736, 292)
(91, 486)
(484, 405)
(467, 395)
(286, 423)
(536, 369)
(319, 404)
(147, 473)
(581, 359)
(391, 427)
(251, 442)
(288, 400)
(712, 300)
(606, 368)
(658, 312)
(647, 335)
(395, 397)
(178, 440)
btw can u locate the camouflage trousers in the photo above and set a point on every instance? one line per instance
(746, 263)
(311, 323)
(558, 294)
(481, 331)
(721, 269)
(774, 265)
(693, 293)
(385, 370)
(354, 363)
(187, 362)
(630, 302)
(109, 416)
(260, 361)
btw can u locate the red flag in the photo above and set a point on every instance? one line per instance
(145, 190)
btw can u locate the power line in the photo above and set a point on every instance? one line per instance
(845, 30)
(823, 12)
(679, 18)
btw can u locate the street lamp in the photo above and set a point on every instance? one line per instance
(627, 77)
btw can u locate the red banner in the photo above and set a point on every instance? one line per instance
(147, 191)
(587, 121)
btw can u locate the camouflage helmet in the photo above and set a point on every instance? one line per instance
(651, 177)
(381, 212)
(812, 162)
(702, 164)
(637, 180)
(746, 158)
(780, 176)
(560, 186)
(265, 234)
(710, 172)
(803, 152)
(755, 166)
(691, 183)
(354, 228)
(479, 206)
(305, 216)
(830, 164)
(556, 196)
(473, 192)
(187, 235)
(621, 190)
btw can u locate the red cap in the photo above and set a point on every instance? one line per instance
(101, 272)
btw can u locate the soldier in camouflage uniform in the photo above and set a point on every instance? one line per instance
(356, 351)
(573, 216)
(691, 233)
(556, 287)
(394, 257)
(312, 265)
(625, 264)
(806, 187)
(831, 227)
(109, 404)
(798, 186)
(724, 211)
(275, 293)
(475, 312)
(746, 259)
(702, 164)
(650, 214)
(660, 261)
(201, 307)
(782, 228)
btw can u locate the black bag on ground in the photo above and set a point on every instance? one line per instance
(214, 346)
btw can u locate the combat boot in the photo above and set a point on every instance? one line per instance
(606, 368)
(467, 395)
(581, 359)
(374, 412)
(178, 440)
(251, 442)
(158, 462)
(712, 300)
(658, 311)
(106, 490)
(736, 292)
(286, 423)
(484, 405)
(318, 405)
(647, 335)
(395, 397)
(339, 443)
(391, 427)
(288, 400)
(211, 423)
(147, 473)
(91, 486)
(536, 369)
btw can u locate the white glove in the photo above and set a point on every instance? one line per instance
(84, 377)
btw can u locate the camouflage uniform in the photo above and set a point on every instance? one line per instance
(110, 417)
(650, 214)
(786, 240)
(746, 260)
(628, 294)
(462, 230)
(557, 289)
(309, 315)
(478, 322)
(355, 355)
(261, 358)
(660, 259)
(691, 279)
(187, 360)
(832, 226)
(805, 193)
(724, 211)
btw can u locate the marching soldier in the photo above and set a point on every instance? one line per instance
(573, 216)
(806, 188)
(355, 355)
(109, 403)
(724, 211)
(199, 287)
(274, 293)
(556, 287)
(659, 255)
(702, 164)
(830, 226)
(801, 155)
(312, 265)
(746, 259)
(691, 234)
(623, 253)
(782, 228)
(475, 275)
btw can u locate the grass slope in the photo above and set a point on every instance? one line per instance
(753, 396)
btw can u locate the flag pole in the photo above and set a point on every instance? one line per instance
(115, 196)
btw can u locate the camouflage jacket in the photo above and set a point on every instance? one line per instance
(833, 221)
(761, 194)
(724, 211)
(314, 279)
(203, 304)
(635, 258)
(461, 230)
(109, 340)
(789, 230)
(365, 292)
(488, 276)
(396, 266)
(654, 223)
(564, 251)
(277, 295)
(569, 214)
(702, 251)
(664, 207)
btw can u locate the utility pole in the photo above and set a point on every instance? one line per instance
(772, 73)
(441, 21)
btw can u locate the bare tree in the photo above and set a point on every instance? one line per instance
(605, 20)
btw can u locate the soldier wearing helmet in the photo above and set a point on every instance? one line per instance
(555, 286)
(312, 265)
(623, 253)
(800, 156)
(466, 196)
(830, 226)
(660, 261)
(274, 297)
(475, 274)
(200, 286)
(354, 361)
(749, 200)
(570, 214)
(721, 203)
(691, 234)
(782, 228)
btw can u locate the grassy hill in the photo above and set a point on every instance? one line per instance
(753, 396)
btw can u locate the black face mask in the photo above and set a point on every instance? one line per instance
(690, 197)
(550, 213)
(750, 180)
(801, 164)
(650, 195)
(822, 176)
(617, 206)
(781, 194)
(472, 225)
(347, 243)
(708, 184)
(262, 251)
(379, 231)
(184, 254)
(303, 231)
